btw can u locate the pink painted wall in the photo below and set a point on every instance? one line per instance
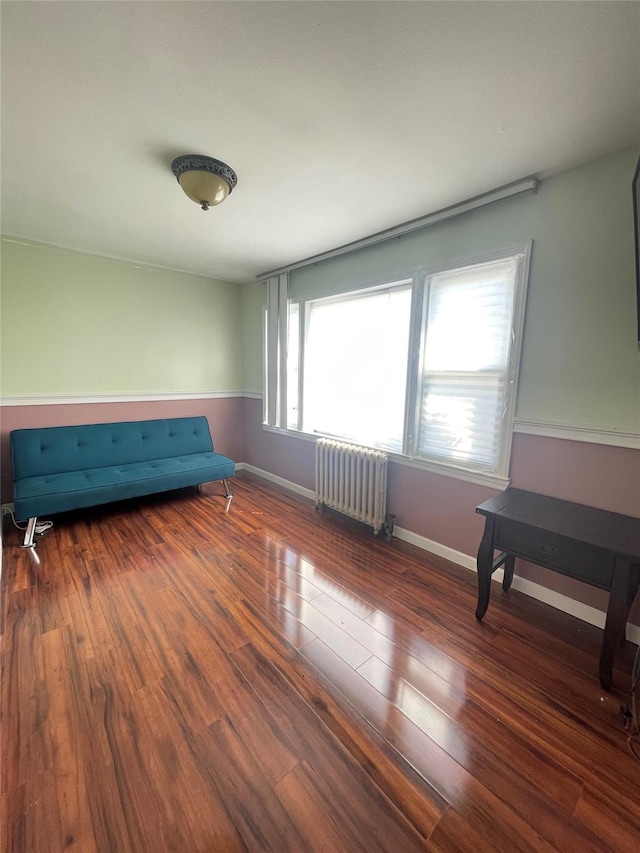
(443, 509)
(225, 417)
(593, 474)
(291, 458)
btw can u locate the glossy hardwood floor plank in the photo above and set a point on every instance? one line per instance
(176, 779)
(469, 732)
(584, 751)
(458, 831)
(319, 825)
(273, 574)
(25, 691)
(250, 801)
(64, 726)
(455, 655)
(287, 566)
(497, 759)
(340, 779)
(422, 805)
(478, 792)
(127, 619)
(366, 635)
(590, 750)
(325, 826)
(615, 818)
(175, 677)
(521, 664)
(264, 739)
(431, 691)
(273, 596)
(204, 590)
(270, 623)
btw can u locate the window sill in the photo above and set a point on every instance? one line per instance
(478, 478)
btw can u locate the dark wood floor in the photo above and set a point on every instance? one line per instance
(179, 679)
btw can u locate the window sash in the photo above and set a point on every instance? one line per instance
(465, 396)
(371, 376)
(461, 416)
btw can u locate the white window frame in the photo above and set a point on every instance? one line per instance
(522, 253)
(275, 352)
(305, 305)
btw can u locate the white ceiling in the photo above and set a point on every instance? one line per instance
(340, 118)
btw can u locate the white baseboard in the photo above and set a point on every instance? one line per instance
(588, 614)
(436, 548)
(279, 481)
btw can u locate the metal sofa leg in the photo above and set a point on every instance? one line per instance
(228, 494)
(29, 532)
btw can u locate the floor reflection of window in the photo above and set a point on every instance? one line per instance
(428, 717)
(441, 690)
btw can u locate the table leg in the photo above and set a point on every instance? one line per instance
(508, 572)
(620, 598)
(485, 567)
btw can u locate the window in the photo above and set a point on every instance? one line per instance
(464, 381)
(425, 367)
(355, 366)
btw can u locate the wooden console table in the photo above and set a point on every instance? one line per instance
(598, 547)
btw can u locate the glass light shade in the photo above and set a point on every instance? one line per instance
(205, 180)
(204, 188)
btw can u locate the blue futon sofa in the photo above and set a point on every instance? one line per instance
(70, 467)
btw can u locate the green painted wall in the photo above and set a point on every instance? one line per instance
(82, 324)
(580, 361)
(254, 298)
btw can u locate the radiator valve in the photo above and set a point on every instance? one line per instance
(387, 527)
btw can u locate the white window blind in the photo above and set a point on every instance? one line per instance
(464, 383)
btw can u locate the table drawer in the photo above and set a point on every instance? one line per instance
(560, 553)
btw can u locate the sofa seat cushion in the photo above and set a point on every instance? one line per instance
(52, 493)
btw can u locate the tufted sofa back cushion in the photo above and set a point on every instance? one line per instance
(53, 450)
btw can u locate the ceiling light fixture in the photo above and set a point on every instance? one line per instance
(205, 180)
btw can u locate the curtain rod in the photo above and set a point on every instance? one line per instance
(521, 186)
